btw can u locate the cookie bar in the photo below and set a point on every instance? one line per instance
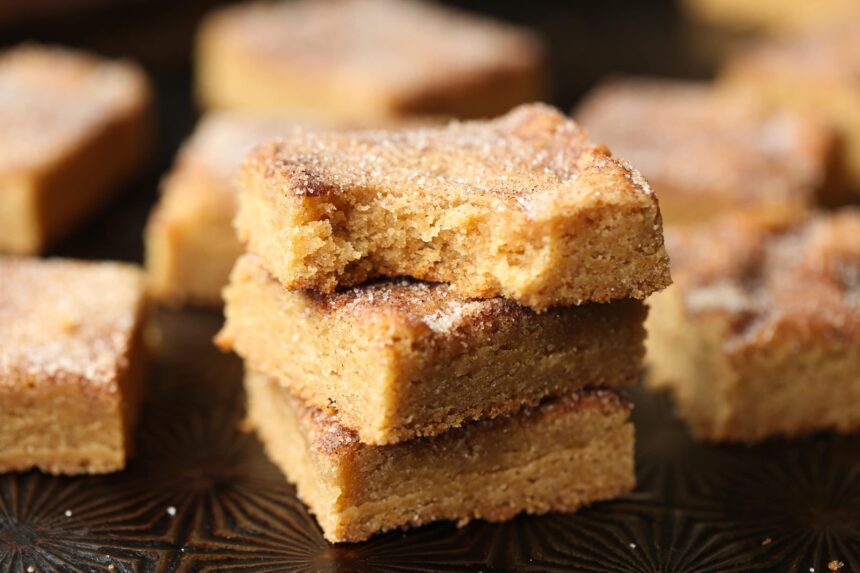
(72, 364)
(523, 206)
(760, 334)
(190, 241)
(769, 15)
(73, 127)
(817, 72)
(558, 456)
(364, 60)
(400, 359)
(706, 150)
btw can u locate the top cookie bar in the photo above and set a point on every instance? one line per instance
(364, 59)
(523, 207)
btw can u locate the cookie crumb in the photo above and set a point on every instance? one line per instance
(835, 565)
(766, 541)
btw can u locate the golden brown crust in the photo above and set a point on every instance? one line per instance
(706, 150)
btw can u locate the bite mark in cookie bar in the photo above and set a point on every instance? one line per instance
(364, 60)
(707, 150)
(760, 335)
(72, 128)
(399, 359)
(558, 456)
(72, 364)
(523, 207)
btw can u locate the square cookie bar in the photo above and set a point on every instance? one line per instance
(73, 127)
(400, 359)
(72, 364)
(523, 206)
(769, 15)
(760, 334)
(816, 72)
(190, 241)
(706, 150)
(558, 456)
(364, 60)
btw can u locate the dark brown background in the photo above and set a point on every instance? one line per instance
(780, 507)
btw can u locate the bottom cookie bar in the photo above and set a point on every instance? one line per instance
(558, 456)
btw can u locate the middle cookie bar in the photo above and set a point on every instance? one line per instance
(401, 359)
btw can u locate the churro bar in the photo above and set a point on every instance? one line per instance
(399, 359)
(817, 72)
(760, 334)
(72, 364)
(73, 128)
(769, 15)
(364, 60)
(558, 456)
(523, 207)
(706, 150)
(190, 241)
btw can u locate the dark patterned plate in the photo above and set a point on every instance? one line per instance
(201, 496)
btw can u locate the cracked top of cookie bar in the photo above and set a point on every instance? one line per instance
(778, 271)
(65, 321)
(698, 138)
(327, 436)
(51, 99)
(394, 44)
(530, 152)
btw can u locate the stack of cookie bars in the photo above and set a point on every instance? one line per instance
(435, 321)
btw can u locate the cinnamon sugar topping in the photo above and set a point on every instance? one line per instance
(760, 274)
(63, 321)
(532, 149)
